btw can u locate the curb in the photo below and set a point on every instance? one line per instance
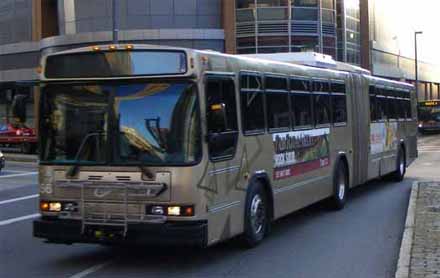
(403, 264)
(20, 158)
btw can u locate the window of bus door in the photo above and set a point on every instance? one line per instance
(252, 103)
(321, 102)
(301, 100)
(277, 103)
(221, 115)
(339, 103)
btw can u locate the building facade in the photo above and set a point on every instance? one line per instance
(264, 26)
(354, 31)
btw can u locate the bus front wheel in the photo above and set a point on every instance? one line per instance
(256, 221)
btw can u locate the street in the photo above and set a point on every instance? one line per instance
(363, 240)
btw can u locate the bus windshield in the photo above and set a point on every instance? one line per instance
(427, 114)
(122, 123)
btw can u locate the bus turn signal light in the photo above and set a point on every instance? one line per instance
(44, 206)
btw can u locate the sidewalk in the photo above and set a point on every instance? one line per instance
(420, 250)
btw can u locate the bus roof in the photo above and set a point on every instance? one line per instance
(311, 61)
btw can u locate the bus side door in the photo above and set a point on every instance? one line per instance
(224, 154)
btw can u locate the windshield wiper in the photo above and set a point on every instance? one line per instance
(73, 170)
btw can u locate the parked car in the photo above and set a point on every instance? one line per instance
(18, 136)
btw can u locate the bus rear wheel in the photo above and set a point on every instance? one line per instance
(340, 187)
(256, 221)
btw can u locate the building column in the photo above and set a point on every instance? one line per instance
(229, 22)
(365, 34)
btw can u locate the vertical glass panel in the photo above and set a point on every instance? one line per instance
(302, 109)
(252, 107)
(339, 106)
(277, 110)
(322, 109)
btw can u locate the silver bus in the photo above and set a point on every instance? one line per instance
(142, 144)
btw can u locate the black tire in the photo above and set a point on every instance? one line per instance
(340, 187)
(256, 218)
(399, 174)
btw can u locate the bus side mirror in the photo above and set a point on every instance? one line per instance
(19, 107)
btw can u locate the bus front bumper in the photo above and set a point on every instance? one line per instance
(189, 233)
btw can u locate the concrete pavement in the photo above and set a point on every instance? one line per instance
(362, 240)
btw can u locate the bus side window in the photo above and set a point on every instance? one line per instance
(373, 105)
(381, 102)
(339, 103)
(301, 100)
(252, 103)
(321, 103)
(221, 115)
(277, 103)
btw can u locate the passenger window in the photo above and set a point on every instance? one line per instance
(381, 104)
(373, 104)
(277, 103)
(252, 103)
(339, 103)
(321, 103)
(299, 85)
(408, 111)
(221, 114)
(392, 113)
(302, 109)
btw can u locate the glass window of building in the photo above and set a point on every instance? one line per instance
(245, 4)
(305, 14)
(305, 3)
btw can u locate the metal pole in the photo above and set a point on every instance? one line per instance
(115, 22)
(416, 63)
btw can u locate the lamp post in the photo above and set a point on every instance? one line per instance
(115, 22)
(416, 63)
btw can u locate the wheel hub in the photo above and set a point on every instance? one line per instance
(258, 214)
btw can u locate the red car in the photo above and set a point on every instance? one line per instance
(18, 136)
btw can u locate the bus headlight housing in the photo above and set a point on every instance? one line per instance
(54, 206)
(170, 210)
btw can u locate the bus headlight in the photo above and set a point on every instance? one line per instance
(420, 125)
(174, 211)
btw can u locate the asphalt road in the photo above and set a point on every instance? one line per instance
(363, 240)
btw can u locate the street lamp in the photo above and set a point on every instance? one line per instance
(115, 22)
(416, 63)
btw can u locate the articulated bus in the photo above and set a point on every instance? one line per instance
(429, 116)
(142, 144)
